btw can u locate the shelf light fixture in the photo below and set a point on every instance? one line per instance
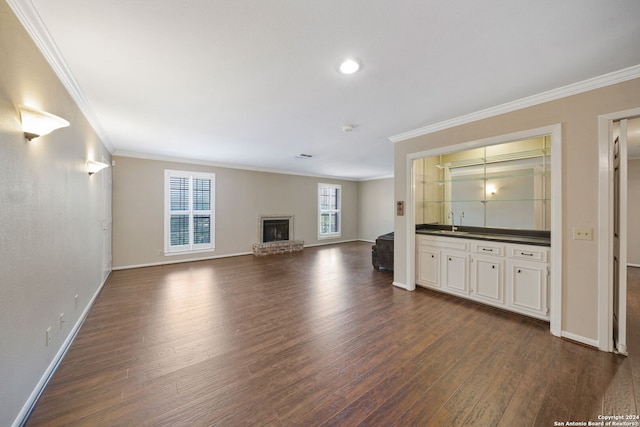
(95, 166)
(36, 123)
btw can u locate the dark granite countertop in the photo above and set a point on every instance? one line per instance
(506, 235)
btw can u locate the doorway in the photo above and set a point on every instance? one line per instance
(613, 243)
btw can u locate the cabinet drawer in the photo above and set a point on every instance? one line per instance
(444, 242)
(529, 253)
(485, 248)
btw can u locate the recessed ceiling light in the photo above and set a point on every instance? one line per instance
(349, 66)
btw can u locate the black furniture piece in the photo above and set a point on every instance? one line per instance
(382, 252)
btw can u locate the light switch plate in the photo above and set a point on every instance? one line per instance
(582, 233)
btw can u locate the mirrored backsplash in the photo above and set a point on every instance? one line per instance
(505, 185)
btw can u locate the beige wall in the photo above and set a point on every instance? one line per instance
(50, 219)
(633, 213)
(241, 195)
(376, 208)
(578, 115)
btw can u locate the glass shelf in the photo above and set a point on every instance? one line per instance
(497, 175)
(528, 154)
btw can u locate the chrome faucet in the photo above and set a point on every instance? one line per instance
(461, 216)
(451, 217)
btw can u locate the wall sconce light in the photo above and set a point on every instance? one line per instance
(94, 166)
(491, 189)
(37, 123)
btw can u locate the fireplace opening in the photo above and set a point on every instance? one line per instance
(275, 230)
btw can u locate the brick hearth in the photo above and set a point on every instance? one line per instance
(273, 248)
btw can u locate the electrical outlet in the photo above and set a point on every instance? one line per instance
(47, 335)
(582, 233)
(61, 320)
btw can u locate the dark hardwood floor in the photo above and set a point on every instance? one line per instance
(320, 338)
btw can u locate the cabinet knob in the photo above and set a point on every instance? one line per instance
(493, 266)
(449, 259)
(519, 271)
(433, 256)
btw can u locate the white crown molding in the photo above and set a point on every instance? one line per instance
(551, 95)
(157, 157)
(35, 27)
(376, 178)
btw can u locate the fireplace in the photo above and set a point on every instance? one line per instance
(275, 228)
(275, 235)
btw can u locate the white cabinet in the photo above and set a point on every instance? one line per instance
(510, 276)
(487, 272)
(442, 262)
(454, 269)
(428, 271)
(487, 279)
(528, 281)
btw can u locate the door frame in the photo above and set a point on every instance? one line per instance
(106, 220)
(555, 283)
(605, 233)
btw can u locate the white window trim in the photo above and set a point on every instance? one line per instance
(321, 235)
(191, 247)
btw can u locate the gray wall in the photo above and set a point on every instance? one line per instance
(376, 208)
(241, 195)
(50, 219)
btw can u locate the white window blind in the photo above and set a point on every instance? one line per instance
(329, 210)
(189, 211)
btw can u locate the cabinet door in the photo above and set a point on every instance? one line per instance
(428, 267)
(487, 279)
(528, 287)
(455, 277)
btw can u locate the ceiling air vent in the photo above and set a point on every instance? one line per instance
(304, 156)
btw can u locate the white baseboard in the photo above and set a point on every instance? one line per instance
(155, 264)
(48, 373)
(332, 242)
(401, 285)
(579, 338)
(621, 349)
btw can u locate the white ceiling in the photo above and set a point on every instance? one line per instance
(254, 83)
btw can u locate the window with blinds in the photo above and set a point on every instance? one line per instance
(329, 210)
(189, 220)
